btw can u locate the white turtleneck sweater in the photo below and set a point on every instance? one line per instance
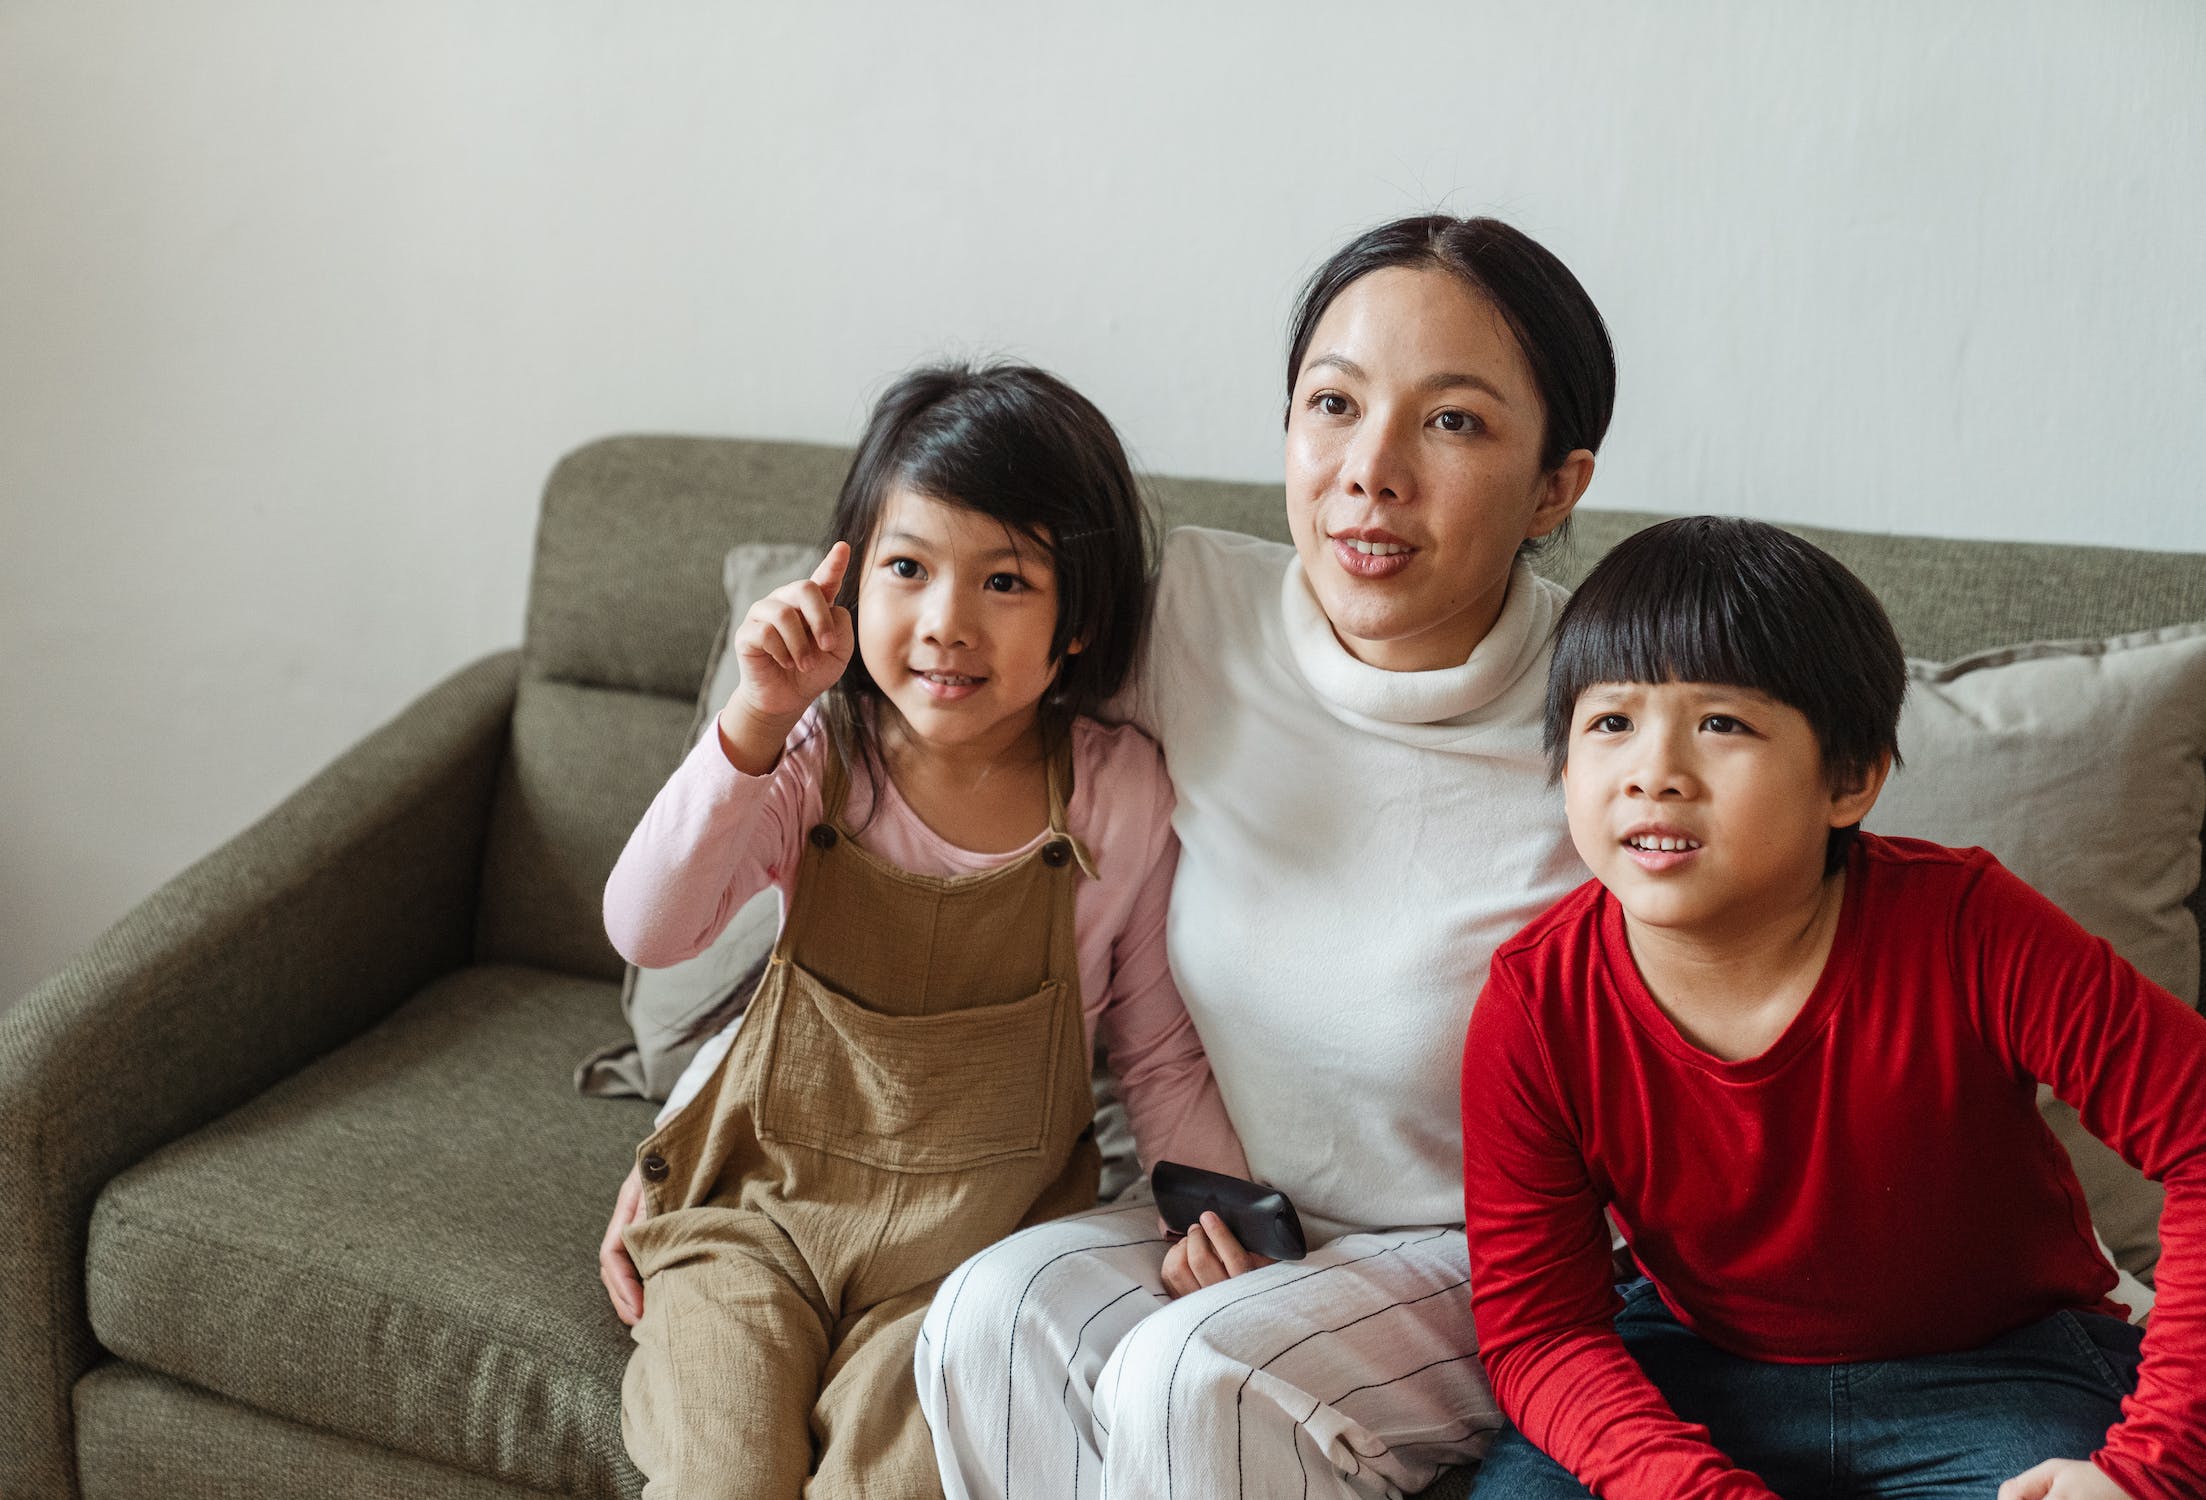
(1354, 844)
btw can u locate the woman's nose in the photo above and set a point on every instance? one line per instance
(1376, 466)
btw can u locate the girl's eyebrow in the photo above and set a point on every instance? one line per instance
(907, 539)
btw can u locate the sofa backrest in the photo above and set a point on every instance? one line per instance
(625, 605)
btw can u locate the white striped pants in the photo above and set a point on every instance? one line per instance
(1053, 1366)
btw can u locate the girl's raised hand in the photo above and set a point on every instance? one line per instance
(793, 645)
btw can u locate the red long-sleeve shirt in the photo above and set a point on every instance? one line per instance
(1877, 1184)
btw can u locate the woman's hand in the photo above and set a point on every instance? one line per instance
(2063, 1479)
(793, 646)
(1208, 1255)
(614, 1268)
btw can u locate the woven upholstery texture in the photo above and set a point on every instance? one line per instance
(355, 892)
(147, 1437)
(585, 763)
(397, 1244)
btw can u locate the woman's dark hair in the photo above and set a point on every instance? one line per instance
(1555, 322)
(1020, 446)
(1718, 599)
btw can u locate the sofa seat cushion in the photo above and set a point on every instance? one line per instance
(398, 1244)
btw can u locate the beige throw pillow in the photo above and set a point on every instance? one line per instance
(662, 1004)
(2082, 766)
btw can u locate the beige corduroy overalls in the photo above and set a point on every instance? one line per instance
(909, 1085)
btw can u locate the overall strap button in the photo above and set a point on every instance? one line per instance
(823, 836)
(654, 1168)
(1056, 854)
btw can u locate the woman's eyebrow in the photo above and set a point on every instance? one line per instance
(1446, 380)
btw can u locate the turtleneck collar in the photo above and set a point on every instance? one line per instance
(1356, 690)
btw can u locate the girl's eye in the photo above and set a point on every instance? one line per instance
(1004, 583)
(1722, 724)
(1610, 724)
(1454, 420)
(905, 567)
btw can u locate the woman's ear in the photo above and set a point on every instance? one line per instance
(1560, 490)
(1075, 646)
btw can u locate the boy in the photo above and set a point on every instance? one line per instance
(1797, 1062)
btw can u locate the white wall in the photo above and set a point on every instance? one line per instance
(299, 303)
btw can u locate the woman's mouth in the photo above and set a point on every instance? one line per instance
(1371, 554)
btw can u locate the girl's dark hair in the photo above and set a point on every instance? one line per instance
(1555, 322)
(1023, 448)
(1020, 446)
(1718, 599)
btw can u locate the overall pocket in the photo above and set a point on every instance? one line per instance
(935, 1093)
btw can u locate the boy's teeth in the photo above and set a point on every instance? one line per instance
(1665, 846)
(1374, 549)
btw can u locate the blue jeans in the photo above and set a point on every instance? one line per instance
(1933, 1426)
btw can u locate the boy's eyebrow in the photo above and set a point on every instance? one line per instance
(1445, 380)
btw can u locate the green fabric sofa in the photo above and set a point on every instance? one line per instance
(301, 1197)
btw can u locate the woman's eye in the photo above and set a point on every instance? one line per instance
(1453, 420)
(1722, 724)
(1004, 583)
(1332, 403)
(905, 567)
(1610, 724)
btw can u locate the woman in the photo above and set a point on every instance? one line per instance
(1353, 731)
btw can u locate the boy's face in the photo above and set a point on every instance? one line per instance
(1703, 808)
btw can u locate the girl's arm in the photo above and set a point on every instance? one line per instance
(1540, 1288)
(711, 840)
(2132, 1059)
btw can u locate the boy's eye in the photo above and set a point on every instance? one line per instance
(1722, 724)
(905, 567)
(1610, 724)
(1004, 583)
(1455, 420)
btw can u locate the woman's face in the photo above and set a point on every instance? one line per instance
(1413, 467)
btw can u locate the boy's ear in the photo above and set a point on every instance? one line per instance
(1851, 801)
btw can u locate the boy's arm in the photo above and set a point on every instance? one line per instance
(1172, 1099)
(2132, 1059)
(1540, 1290)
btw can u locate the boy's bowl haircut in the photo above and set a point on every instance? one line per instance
(1727, 600)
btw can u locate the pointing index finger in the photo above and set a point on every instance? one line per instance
(829, 574)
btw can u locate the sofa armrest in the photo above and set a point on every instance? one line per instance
(296, 936)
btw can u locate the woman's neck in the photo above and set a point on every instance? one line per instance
(1733, 991)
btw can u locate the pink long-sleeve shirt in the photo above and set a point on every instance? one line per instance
(714, 837)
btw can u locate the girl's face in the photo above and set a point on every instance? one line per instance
(1413, 467)
(955, 615)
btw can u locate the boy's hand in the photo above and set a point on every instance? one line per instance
(793, 646)
(1208, 1255)
(2063, 1479)
(614, 1268)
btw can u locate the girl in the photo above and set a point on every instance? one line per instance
(974, 878)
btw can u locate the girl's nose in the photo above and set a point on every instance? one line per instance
(943, 619)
